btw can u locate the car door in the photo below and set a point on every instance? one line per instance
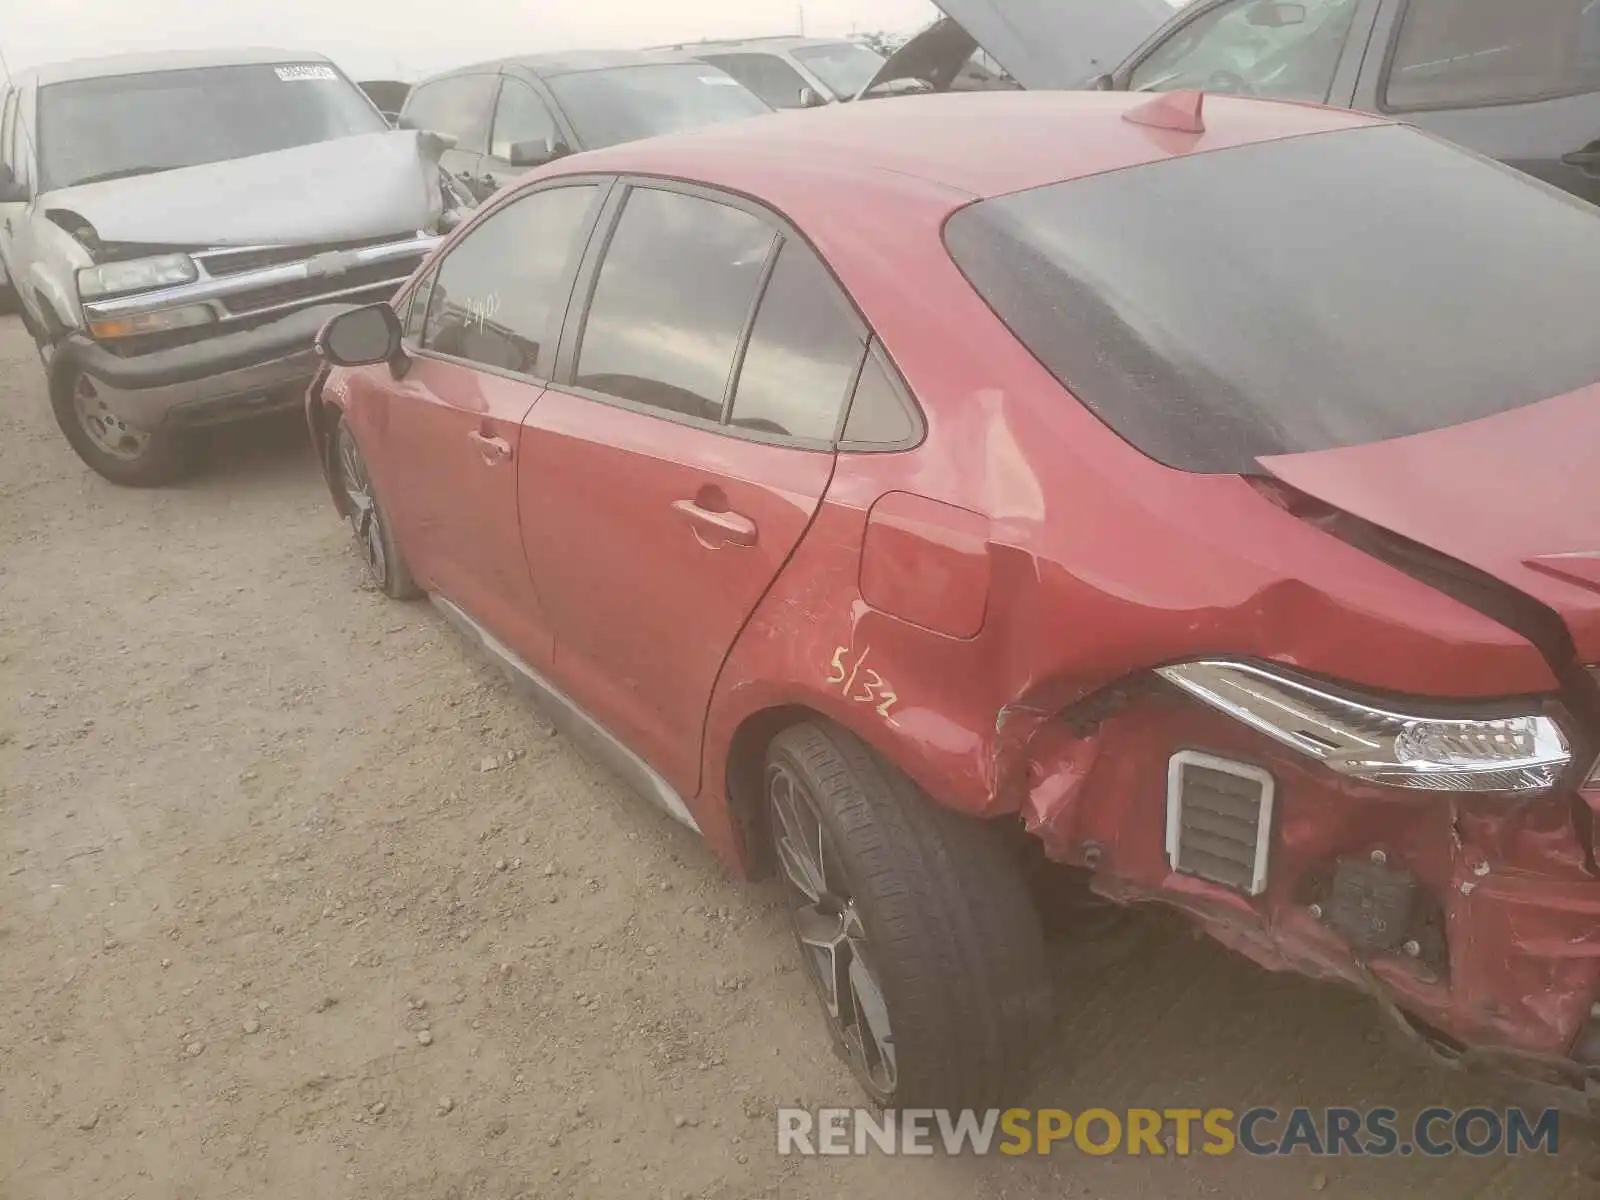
(10, 211)
(452, 438)
(15, 145)
(458, 105)
(1518, 82)
(1302, 51)
(521, 116)
(680, 454)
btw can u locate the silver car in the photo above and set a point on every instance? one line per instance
(177, 227)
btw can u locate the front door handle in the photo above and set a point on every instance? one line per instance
(495, 450)
(731, 528)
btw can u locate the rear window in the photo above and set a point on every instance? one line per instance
(1297, 295)
(624, 104)
(1458, 53)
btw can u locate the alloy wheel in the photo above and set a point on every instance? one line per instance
(109, 432)
(365, 518)
(833, 939)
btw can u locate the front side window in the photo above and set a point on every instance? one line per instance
(805, 350)
(1254, 48)
(1456, 53)
(521, 117)
(767, 75)
(122, 125)
(497, 297)
(8, 118)
(458, 106)
(671, 302)
(623, 104)
(1295, 295)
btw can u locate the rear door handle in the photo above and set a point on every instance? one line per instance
(734, 529)
(494, 450)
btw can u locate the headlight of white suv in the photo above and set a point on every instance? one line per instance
(137, 274)
(1377, 741)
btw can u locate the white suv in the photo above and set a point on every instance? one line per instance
(177, 228)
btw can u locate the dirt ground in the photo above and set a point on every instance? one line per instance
(297, 899)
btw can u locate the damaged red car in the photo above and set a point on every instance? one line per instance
(1210, 490)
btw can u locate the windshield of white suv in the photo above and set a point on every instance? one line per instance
(846, 67)
(121, 125)
(625, 104)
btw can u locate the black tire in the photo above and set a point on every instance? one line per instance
(374, 535)
(112, 450)
(951, 938)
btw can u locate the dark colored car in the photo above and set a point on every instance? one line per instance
(1208, 491)
(517, 113)
(1519, 82)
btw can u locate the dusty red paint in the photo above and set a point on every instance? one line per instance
(1024, 570)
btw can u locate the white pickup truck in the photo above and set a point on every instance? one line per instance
(177, 227)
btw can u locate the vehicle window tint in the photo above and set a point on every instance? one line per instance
(520, 117)
(1462, 52)
(878, 416)
(846, 67)
(671, 302)
(805, 348)
(458, 106)
(498, 295)
(1254, 48)
(1295, 295)
(767, 75)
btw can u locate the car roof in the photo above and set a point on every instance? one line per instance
(776, 44)
(974, 144)
(569, 62)
(163, 60)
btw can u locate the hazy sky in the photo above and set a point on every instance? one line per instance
(414, 37)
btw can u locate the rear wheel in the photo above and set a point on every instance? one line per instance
(109, 445)
(913, 925)
(374, 536)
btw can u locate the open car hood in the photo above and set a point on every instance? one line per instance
(1516, 496)
(1042, 44)
(345, 189)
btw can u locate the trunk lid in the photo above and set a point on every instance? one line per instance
(362, 186)
(1515, 495)
(1042, 44)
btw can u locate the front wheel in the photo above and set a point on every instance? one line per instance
(913, 924)
(110, 446)
(374, 536)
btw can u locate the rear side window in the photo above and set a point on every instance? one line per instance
(1296, 295)
(1457, 53)
(805, 349)
(521, 117)
(767, 75)
(458, 106)
(497, 294)
(671, 302)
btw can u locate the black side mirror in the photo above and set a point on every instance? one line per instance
(811, 98)
(1271, 15)
(537, 153)
(12, 189)
(361, 337)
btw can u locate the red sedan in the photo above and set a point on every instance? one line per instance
(1212, 492)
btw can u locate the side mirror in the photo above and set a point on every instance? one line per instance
(537, 153)
(361, 337)
(811, 98)
(12, 189)
(1103, 83)
(1271, 15)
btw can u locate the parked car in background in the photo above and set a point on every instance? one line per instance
(870, 485)
(516, 113)
(792, 72)
(1518, 82)
(177, 227)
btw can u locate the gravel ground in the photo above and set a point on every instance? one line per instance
(298, 899)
